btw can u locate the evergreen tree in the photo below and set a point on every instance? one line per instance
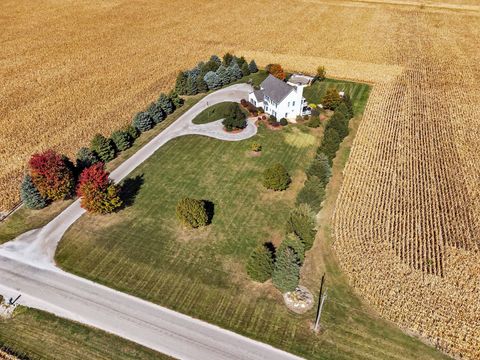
(201, 85)
(235, 71)
(293, 241)
(245, 69)
(320, 168)
(223, 75)
(260, 263)
(30, 195)
(276, 178)
(156, 113)
(103, 148)
(166, 104)
(85, 158)
(210, 65)
(192, 212)
(312, 194)
(342, 108)
(212, 80)
(142, 122)
(230, 74)
(252, 67)
(286, 274)
(132, 131)
(241, 61)
(121, 139)
(181, 83)
(347, 101)
(302, 222)
(216, 59)
(330, 143)
(192, 86)
(339, 123)
(331, 99)
(177, 101)
(227, 59)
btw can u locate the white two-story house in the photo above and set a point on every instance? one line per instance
(280, 99)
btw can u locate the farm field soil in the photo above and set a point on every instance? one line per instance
(40, 335)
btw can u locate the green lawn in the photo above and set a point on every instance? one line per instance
(357, 91)
(41, 335)
(214, 113)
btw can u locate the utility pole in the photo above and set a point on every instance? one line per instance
(321, 300)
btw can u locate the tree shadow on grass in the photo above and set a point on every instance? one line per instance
(210, 208)
(130, 189)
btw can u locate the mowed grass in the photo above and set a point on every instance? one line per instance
(142, 249)
(357, 91)
(41, 335)
(214, 113)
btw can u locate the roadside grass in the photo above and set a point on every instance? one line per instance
(143, 250)
(41, 335)
(213, 113)
(358, 92)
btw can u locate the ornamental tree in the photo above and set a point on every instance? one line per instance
(286, 274)
(166, 104)
(143, 121)
(276, 178)
(103, 148)
(276, 70)
(192, 212)
(52, 175)
(321, 73)
(260, 263)
(30, 195)
(98, 193)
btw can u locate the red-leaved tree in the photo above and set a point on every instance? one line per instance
(98, 193)
(276, 70)
(52, 175)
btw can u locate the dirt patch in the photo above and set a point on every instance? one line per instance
(199, 235)
(254, 153)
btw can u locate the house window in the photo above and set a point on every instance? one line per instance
(254, 102)
(274, 113)
(293, 103)
(286, 114)
(266, 108)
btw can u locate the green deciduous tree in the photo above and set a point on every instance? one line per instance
(331, 99)
(192, 212)
(286, 273)
(30, 195)
(235, 118)
(302, 222)
(143, 121)
(201, 85)
(260, 263)
(276, 178)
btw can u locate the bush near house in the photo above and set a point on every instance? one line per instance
(256, 147)
(314, 122)
(52, 175)
(235, 118)
(192, 212)
(260, 263)
(276, 178)
(283, 122)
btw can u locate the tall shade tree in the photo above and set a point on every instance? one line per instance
(52, 175)
(166, 104)
(98, 193)
(260, 263)
(286, 274)
(103, 147)
(276, 70)
(30, 196)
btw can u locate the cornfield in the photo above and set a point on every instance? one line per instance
(407, 221)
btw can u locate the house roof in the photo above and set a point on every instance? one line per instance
(276, 89)
(258, 95)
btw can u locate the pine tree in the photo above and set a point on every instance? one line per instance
(166, 104)
(181, 83)
(339, 123)
(330, 143)
(223, 75)
(132, 131)
(293, 241)
(276, 178)
(212, 80)
(342, 108)
(177, 101)
(85, 158)
(320, 167)
(201, 85)
(260, 264)
(216, 59)
(156, 113)
(235, 71)
(192, 88)
(121, 139)
(103, 148)
(286, 274)
(252, 67)
(227, 59)
(349, 105)
(241, 61)
(312, 194)
(230, 74)
(302, 222)
(143, 122)
(245, 69)
(30, 195)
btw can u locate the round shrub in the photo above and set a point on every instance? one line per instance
(314, 122)
(283, 122)
(192, 212)
(257, 147)
(276, 178)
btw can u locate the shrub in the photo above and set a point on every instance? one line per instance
(283, 122)
(312, 194)
(306, 117)
(302, 222)
(299, 118)
(321, 73)
(260, 263)
(264, 117)
(272, 120)
(348, 103)
(30, 195)
(276, 178)
(85, 158)
(293, 241)
(314, 122)
(286, 273)
(252, 67)
(256, 147)
(98, 193)
(276, 70)
(121, 139)
(192, 212)
(166, 104)
(244, 103)
(156, 113)
(143, 121)
(331, 99)
(235, 118)
(52, 175)
(103, 148)
(320, 168)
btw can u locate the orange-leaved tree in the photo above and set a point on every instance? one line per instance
(98, 193)
(276, 70)
(52, 175)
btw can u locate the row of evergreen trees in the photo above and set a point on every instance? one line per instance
(213, 74)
